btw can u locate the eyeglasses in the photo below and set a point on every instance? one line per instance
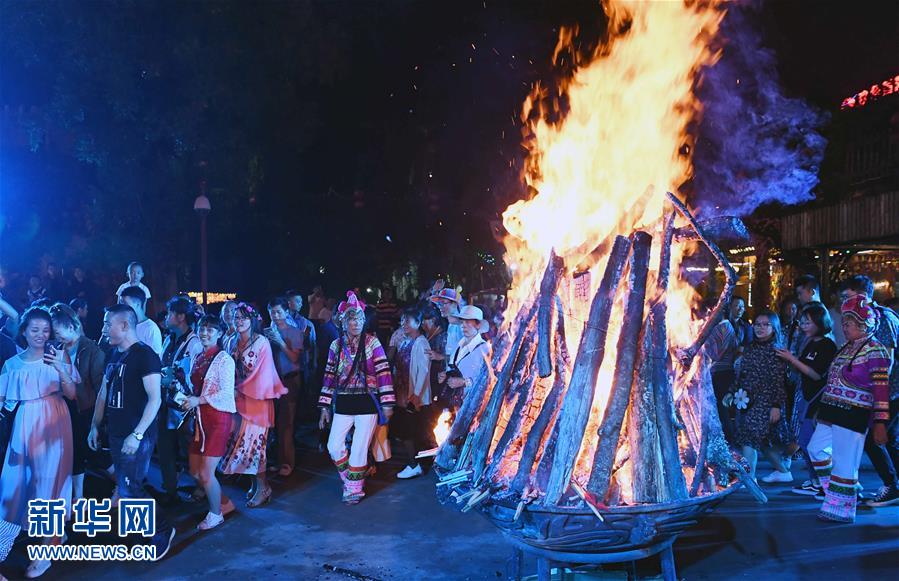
(241, 318)
(846, 295)
(759, 324)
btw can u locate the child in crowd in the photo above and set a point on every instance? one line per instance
(135, 274)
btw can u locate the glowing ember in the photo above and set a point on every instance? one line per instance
(441, 431)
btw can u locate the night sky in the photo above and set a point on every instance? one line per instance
(367, 120)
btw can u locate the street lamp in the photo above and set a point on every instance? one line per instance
(202, 207)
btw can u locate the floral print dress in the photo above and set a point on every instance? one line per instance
(257, 386)
(762, 375)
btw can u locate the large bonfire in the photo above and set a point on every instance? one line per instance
(595, 392)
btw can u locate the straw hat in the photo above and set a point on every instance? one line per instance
(471, 313)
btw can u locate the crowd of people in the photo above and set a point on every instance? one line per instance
(814, 383)
(215, 393)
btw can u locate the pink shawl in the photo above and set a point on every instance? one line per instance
(261, 384)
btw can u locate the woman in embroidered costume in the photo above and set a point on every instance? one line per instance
(212, 379)
(257, 386)
(856, 398)
(357, 390)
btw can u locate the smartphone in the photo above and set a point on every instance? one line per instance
(50, 348)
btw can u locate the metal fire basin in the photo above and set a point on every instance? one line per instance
(576, 536)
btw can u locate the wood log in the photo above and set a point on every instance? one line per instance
(548, 288)
(579, 397)
(561, 339)
(663, 392)
(700, 414)
(448, 454)
(526, 378)
(700, 468)
(623, 379)
(535, 435)
(642, 428)
(546, 419)
(730, 283)
(723, 229)
(473, 402)
(483, 434)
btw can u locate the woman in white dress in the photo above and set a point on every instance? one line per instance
(38, 460)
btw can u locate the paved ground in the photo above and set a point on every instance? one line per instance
(400, 532)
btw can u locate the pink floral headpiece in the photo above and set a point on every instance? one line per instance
(249, 309)
(352, 302)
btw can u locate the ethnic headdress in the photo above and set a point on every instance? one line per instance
(859, 308)
(352, 303)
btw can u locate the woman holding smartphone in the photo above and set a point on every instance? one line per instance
(38, 459)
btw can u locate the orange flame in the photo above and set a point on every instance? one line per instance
(442, 430)
(625, 133)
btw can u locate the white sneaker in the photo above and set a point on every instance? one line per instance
(211, 521)
(410, 472)
(778, 477)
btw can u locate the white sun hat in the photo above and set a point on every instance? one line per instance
(471, 313)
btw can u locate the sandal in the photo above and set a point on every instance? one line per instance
(37, 568)
(263, 498)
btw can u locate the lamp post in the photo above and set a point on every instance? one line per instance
(202, 208)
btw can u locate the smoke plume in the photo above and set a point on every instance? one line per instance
(755, 145)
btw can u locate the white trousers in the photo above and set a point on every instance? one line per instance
(843, 447)
(364, 428)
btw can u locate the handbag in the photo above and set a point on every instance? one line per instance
(7, 417)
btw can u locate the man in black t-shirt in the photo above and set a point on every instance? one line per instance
(129, 399)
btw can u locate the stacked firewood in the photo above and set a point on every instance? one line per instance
(522, 424)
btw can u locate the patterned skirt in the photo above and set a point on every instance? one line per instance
(246, 449)
(754, 428)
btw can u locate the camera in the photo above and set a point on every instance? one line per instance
(453, 371)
